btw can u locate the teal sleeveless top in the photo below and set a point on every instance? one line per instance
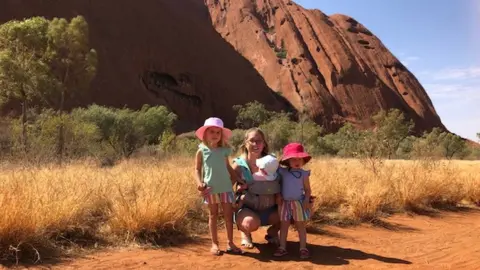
(215, 172)
(246, 173)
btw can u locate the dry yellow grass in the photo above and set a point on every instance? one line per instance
(142, 200)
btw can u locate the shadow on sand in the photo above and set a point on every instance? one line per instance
(439, 210)
(321, 255)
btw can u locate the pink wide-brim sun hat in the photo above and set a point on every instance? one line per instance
(294, 150)
(213, 122)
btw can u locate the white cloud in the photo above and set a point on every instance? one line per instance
(453, 91)
(408, 60)
(457, 73)
(412, 58)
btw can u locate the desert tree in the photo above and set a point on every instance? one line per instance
(23, 73)
(440, 144)
(391, 130)
(73, 65)
(453, 145)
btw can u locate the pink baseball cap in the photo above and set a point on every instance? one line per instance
(213, 122)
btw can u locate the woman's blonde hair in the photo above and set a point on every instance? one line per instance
(243, 147)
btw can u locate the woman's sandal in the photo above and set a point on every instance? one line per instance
(247, 241)
(280, 252)
(304, 253)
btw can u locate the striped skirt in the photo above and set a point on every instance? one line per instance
(226, 197)
(294, 210)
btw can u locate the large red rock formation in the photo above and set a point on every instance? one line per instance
(167, 52)
(330, 66)
(159, 52)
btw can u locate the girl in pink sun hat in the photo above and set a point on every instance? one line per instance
(215, 178)
(217, 125)
(296, 194)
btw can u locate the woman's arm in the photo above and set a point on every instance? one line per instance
(234, 174)
(198, 170)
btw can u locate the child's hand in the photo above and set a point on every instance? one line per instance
(306, 205)
(206, 191)
(201, 186)
(242, 187)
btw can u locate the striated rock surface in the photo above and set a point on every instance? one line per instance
(167, 52)
(329, 66)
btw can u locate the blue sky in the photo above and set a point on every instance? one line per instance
(436, 40)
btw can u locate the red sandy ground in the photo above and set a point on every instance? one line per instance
(449, 241)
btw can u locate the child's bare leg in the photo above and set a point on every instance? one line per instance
(279, 202)
(302, 233)
(212, 224)
(228, 215)
(284, 233)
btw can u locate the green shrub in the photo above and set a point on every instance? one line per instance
(6, 137)
(237, 139)
(186, 146)
(282, 54)
(438, 144)
(279, 131)
(126, 130)
(80, 138)
(252, 114)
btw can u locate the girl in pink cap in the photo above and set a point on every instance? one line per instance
(296, 194)
(215, 178)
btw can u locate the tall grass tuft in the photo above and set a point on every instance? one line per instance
(45, 209)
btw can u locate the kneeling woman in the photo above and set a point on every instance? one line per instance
(247, 219)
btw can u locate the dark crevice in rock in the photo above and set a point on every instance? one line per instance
(159, 83)
(295, 83)
(352, 21)
(363, 42)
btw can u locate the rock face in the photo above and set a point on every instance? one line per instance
(331, 67)
(166, 52)
(158, 52)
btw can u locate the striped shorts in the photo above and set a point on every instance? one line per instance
(294, 210)
(226, 197)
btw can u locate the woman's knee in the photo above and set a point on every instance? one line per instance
(251, 224)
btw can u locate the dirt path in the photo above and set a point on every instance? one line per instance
(448, 242)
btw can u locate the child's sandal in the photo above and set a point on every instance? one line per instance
(304, 253)
(280, 252)
(234, 251)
